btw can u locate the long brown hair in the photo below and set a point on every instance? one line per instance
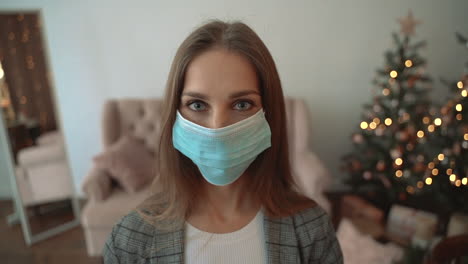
(176, 187)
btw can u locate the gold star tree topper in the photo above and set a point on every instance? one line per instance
(408, 24)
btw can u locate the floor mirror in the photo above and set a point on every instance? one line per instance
(32, 145)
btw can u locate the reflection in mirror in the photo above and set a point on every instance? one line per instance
(42, 184)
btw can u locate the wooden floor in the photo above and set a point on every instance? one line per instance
(68, 247)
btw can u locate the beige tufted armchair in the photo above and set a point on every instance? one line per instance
(107, 203)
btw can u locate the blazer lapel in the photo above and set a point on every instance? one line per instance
(281, 241)
(167, 247)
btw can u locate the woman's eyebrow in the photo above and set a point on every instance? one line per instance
(196, 95)
(242, 93)
(232, 96)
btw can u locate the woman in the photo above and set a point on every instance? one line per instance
(224, 191)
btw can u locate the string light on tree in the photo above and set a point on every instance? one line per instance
(399, 173)
(431, 165)
(430, 128)
(453, 177)
(408, 63)
(426, 120)
(364, 125)
(441, 157)
(420, 134)
(388, 121)
(428, 181)
(420, 184)
(398, 161)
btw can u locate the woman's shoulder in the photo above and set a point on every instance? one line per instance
(133, 222)
(313, 227)
(130, 236)
(311, 216)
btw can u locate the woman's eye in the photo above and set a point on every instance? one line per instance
(197, 106)
(242, 105)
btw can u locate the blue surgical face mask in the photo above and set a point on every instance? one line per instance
(222, 154)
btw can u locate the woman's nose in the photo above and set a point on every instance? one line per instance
(219, 119)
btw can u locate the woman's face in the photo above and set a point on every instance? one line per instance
(220, 89)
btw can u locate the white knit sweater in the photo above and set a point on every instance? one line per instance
(246, 245)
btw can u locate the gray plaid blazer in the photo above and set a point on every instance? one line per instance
(306, 237)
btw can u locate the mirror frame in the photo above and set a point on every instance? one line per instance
(20, 216)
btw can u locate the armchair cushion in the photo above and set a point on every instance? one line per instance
(38, 155)
(53, 137)
(128, 162)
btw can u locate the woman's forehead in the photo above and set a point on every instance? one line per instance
(220, 71)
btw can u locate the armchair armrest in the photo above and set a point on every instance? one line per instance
(97, 185)
(312, 178)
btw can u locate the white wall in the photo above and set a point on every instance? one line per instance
(326, 52)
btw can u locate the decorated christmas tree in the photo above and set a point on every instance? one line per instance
(449, 169)
(390, 154)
